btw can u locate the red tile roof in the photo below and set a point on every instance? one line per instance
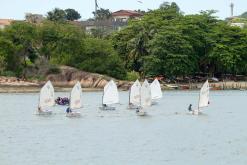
(5, 21)
(126, 13)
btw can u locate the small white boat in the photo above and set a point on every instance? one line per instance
(46, 99)
(203, 98)
(75, 101)
(134, 95)
(145, 99)
(156, 91)
(110, 96)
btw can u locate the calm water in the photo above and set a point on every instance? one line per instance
(120, 137)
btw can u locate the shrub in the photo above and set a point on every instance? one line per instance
(132, 76)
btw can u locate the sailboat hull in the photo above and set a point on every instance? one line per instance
(73, 114)
(44, 112)
(154, 102)
(107, 108)
(131, 106)
(141, 113)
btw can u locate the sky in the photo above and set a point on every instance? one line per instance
(16, 9)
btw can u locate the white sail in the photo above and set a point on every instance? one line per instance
(110, 93)
(146, 97)
(75, 97)
(204, 95)
(47, 96)
(156, 90)
(135, 93)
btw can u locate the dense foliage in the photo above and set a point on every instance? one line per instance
(164, 42)
(167, 42)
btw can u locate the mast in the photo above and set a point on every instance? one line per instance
(129, 94)
(232, 8)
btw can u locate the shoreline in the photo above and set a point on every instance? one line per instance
(35, 88)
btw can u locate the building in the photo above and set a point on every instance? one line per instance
(109, 25)
(118, 21)
(124, 15)
(34, 18)
(241, 25)
(5, 22)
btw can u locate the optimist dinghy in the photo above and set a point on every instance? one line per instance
(145, 99)
(135, 95)
(203, 98)
(46, 99)
(156, 91)
(75, 101)
(110, 96)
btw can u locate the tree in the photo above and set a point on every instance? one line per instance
(34, 18)
(57, 14)
(23, 35)
(102, 14)
(174, 53)
(72, 14)
(244, 15)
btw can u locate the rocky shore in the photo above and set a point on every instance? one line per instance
(68, 76)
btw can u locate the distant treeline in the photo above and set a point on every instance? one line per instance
(164, 42)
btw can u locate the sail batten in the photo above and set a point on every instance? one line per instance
(47, 96)
(75, 97)
(111, 95)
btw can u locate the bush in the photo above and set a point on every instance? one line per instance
(132, 76)
(53, 70)
(8, 74)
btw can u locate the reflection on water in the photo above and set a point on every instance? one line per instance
(168, 135)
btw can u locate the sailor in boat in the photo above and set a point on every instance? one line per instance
(68, 110)
(190, 108)
(137, 110)
(39, 109)
(42, 111)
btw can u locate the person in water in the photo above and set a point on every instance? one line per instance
(104, 105)
(190, 108)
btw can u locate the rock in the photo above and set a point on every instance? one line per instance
(69, 76)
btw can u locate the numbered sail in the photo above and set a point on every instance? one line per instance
(75, 97)
(135, 93)
(156, 90)
(204, 95)
(110, 93)
(146, 97)
(47, 96)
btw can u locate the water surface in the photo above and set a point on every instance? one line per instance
(167, 136)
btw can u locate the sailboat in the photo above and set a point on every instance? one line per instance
(75, 101)
(134, 95)
(110, 96)
(145, 99)
(203, 98)
(155, 91)
(46, 99)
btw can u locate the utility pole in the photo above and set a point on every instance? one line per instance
(96, 8)
(232, 8)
